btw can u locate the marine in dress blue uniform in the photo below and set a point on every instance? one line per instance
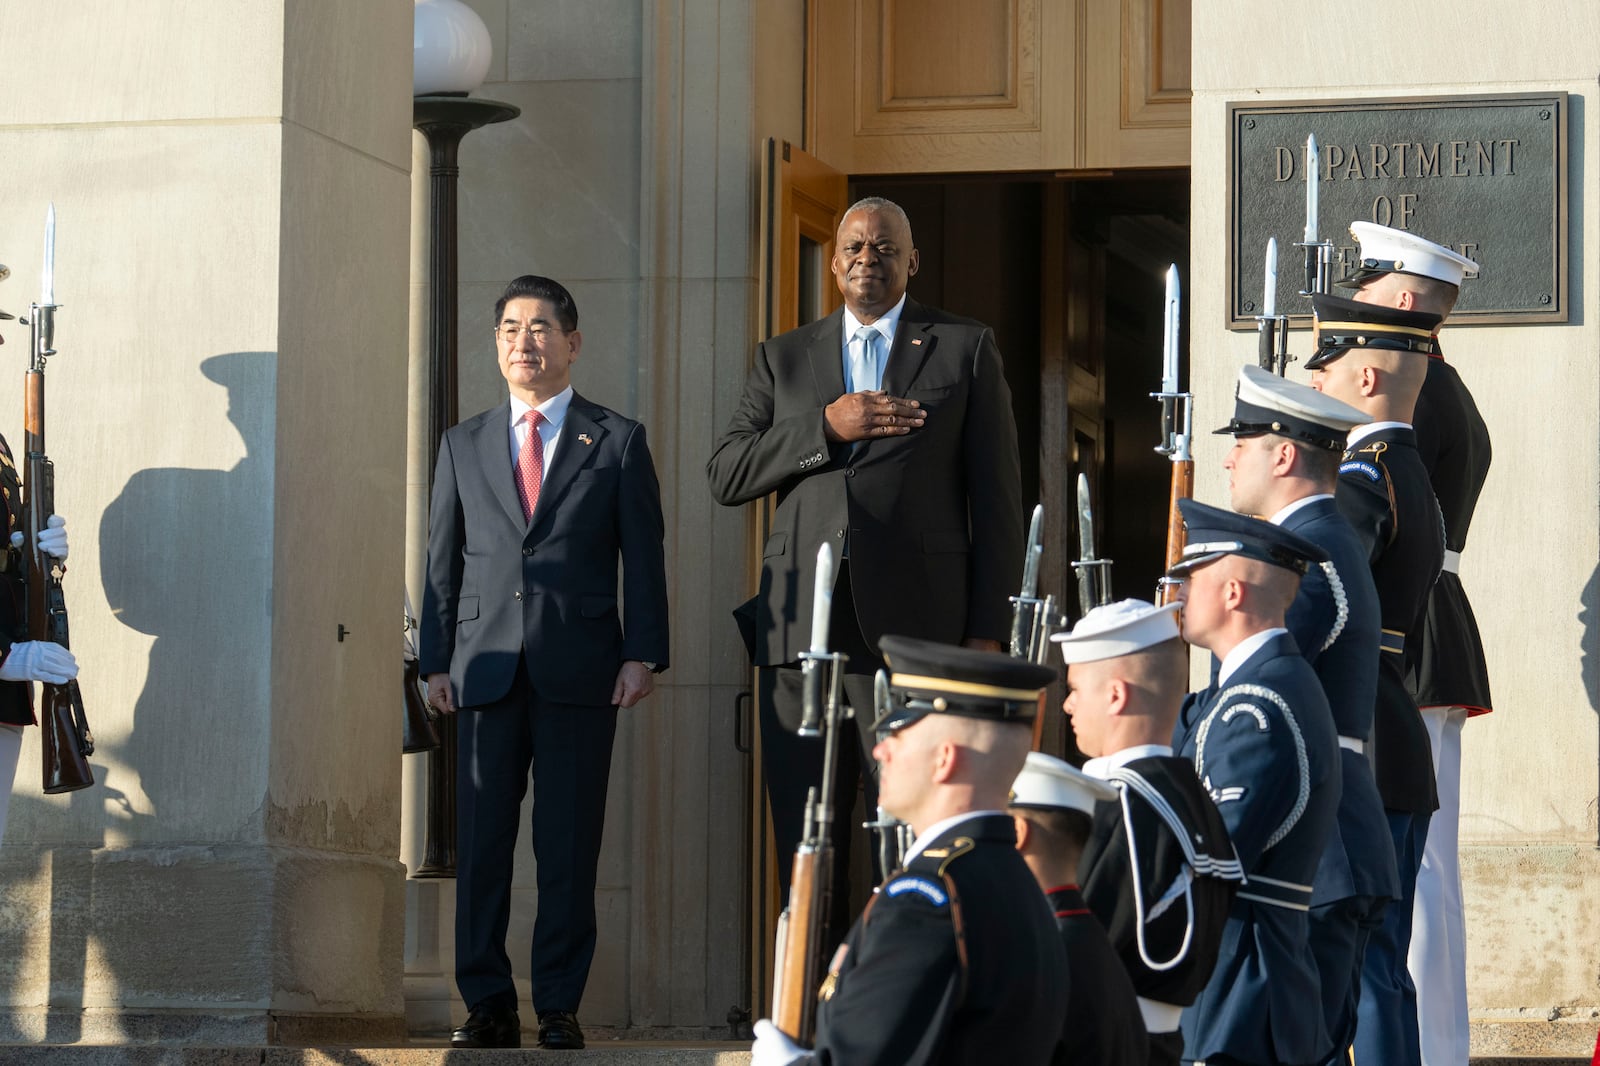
(956, 958)
(1374, 358)
(1158, 870)
(1288, 440)
(1052, 804)
(1445, 666)
(1264, 745)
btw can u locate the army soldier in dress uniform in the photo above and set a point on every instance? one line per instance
(1445, 666)
(1053, 804)
(1264, 745)
(956, 958)
(1373, 358)
(1284, 466)
(1158, 871)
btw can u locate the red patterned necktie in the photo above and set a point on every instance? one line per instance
(530, 465)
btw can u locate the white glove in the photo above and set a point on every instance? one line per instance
(39, 660)
(773, 1046)
(53, 538)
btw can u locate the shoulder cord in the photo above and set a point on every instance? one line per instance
(1303, 793)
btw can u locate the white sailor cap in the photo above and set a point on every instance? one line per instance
(1386, 250)
(1048, 782)
(1265, 403)
(1120, 628)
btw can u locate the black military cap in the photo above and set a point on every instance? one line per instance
(1265, 403)
(928, 678)
(1214, 533)
(1342, 324)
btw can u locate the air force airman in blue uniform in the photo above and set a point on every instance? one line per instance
(1264, 744)
(1284, 466)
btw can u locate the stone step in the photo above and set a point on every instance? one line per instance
(609, 1053)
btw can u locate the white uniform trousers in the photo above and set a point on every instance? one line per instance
(10, 749)
(1438, 958)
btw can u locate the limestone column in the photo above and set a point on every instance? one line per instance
(229, 426)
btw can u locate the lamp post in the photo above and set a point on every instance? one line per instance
(451, 57)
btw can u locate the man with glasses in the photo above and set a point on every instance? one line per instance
(534, 504)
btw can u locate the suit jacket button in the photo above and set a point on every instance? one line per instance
(850, 473)
(527, 551)
(838, 533)
(516, 595)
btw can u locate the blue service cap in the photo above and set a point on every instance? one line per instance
(1214, 533)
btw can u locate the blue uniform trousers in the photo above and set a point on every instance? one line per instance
(1386, 1030)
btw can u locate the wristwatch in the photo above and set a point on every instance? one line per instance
(649, 665)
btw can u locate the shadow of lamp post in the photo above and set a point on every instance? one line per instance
(452, 52)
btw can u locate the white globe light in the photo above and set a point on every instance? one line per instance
(451, 48)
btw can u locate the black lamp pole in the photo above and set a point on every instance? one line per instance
(444, 119)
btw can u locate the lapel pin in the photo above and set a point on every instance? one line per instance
(584, 438)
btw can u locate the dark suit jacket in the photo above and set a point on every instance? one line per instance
(500, 588)
(934, 517)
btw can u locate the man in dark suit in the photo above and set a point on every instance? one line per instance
(1157, 871)
(1053, 806)
(1445, 665)
(1374, 358)
(1263, 743)
(886, 430)
(1284, 466)
(956, 959)
(534, 503)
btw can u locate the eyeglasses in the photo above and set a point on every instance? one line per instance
(537, 334)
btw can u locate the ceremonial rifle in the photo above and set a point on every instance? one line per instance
(1033, 619)
(1177, 427)
(1094, 573)
(800, 926)
(64, 735)
(1273, 350)
(1318, 252)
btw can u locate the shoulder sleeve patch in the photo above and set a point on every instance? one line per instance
(933, 893)
(1358, 467)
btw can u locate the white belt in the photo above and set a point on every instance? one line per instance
(1452, 562)
(1160, 1017)
(1354, 744)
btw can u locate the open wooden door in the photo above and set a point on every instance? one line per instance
(803, 201)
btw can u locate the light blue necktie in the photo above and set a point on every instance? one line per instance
(864, 359)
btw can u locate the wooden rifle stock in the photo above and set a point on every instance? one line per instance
(1182, 488)
(64, 736)
(794, 996)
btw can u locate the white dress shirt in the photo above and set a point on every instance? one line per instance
(555, 415)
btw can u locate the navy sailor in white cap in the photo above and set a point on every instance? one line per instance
(1158, 869)
(1445, 665)
(1264, 745)
(1284, 466)
(1053, 805)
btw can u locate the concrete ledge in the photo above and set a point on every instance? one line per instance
(1568, 1038)
(633, 1055)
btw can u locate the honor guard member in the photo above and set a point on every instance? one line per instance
(25, 661)
(956, 958)
(1445, 665)
(1158, 870)
(1373, 358)
(1288, 440)
(1053, 805)
(1263, 744)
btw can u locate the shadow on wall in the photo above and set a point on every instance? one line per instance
(1589, 654)
(178, 550)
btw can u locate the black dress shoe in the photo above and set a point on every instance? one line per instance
(558, 1031)
(487, 1027)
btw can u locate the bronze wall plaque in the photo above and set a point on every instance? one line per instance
(1485, 175)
